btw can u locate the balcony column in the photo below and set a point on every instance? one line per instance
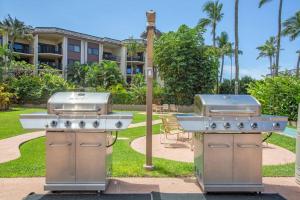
(36, 52)
(100, 52)
(65, 57)
(83, 52)
(123, 61)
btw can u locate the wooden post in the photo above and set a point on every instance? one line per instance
(149, 75)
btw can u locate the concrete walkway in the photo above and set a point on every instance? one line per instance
(181, 151)
(9, 148)
(19, 188)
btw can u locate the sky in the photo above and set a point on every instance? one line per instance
(121, 19)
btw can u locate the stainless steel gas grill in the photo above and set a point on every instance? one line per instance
(79, 139)
(228, 141)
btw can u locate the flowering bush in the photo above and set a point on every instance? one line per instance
(5, 97)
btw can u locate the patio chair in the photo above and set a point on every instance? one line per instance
(165, 107)
(169, 127)
(173, 108)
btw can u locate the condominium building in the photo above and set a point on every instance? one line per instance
(60, 48)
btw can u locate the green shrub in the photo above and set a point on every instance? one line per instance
(278, 96)
(5, 97)
(37, 89)
(120, 95)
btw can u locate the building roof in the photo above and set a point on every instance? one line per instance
(56, 30)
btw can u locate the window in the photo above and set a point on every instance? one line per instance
(1, 40)
(74, 48)
(72, 61)
(93, 51)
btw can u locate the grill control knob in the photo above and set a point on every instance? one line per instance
(81, 124)
(213, 125)
(254, 125)
(227, 125)
(119, 124)
(96, 124)
(240, 125)
(53, 123)
(276, 125)
(68, 123)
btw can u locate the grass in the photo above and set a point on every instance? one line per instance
(137, 117)
(126, 161)
(285, 169)
(10, 124)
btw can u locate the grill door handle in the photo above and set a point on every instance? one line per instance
(233, 111)
(90, 145)
(60, 144)
(248, 145)
(218, 145)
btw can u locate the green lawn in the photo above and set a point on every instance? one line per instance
(126, 161)
(10, 124)
(286, 169)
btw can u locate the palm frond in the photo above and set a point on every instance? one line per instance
(263, 2)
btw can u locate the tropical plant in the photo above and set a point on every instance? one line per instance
(261, 3)
(236, 46)
(292, 29)
(224, 47)
(138, 80)
(76, 74)
(37, 89)
(185, 64)
(15, 29)
(133, 47)
(213, 9)
(278, 95)
(268, 49)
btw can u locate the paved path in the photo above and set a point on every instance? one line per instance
(19, 188)
(9, 148)
(181, 151)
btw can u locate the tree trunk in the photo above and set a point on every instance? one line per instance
(236, 48)
(298, 66)
(278, 39)
(214, 33)
(271, 65)
(221, 73)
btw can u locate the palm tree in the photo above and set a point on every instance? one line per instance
(261, 3)
(292, 29)
(268, 49)
(213, 9)
(15, 29)
(133, 47)
(223, 45)
(236, 46)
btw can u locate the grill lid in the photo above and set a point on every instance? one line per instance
(79, 102)
(226, 105)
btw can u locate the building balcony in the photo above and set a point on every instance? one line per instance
(111, 57)
(50, 51)
(135, 59)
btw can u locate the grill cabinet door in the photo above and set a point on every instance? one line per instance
(218, 155)
(60, 157)
(247, 159)
(90, 157)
